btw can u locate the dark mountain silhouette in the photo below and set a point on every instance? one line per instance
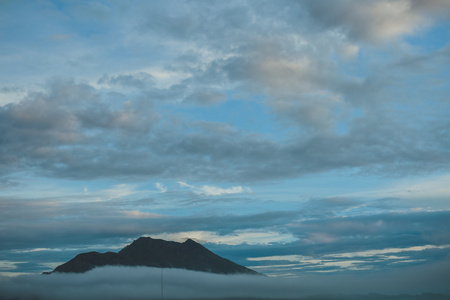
(158, 253)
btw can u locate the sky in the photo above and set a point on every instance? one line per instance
(302, 139)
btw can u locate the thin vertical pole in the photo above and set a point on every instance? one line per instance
(162, 285)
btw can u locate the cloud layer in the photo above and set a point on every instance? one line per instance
(74, 131)
(145, 283)
(134, 123)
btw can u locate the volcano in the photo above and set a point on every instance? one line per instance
(146, 251)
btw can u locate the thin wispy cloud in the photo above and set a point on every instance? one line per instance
(162, 188)
(208, 190)
(251, 237)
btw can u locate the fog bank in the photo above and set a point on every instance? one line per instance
(145, 283)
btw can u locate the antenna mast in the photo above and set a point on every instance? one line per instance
(162, 285)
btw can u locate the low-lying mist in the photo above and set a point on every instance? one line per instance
(145, 283)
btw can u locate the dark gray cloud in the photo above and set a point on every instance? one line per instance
(140, 80)
(376, 231)
(72, 130)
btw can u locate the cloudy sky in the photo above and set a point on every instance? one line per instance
(298, 138)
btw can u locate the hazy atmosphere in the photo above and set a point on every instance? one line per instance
(306, 140)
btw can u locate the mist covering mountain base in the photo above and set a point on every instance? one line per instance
(149, 252)
(136, 283)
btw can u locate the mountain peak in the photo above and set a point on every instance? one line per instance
(146, 251)
(192, 243)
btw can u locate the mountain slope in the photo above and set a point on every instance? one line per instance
(150, 252)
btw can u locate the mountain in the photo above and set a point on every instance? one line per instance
(149, 252)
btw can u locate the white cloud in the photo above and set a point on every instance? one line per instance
(388, 19)
(373, 21)
(338, 262)
(120, 190)
(34, 250)
(162, 188)
(291, 258)
(126, 191)
(210, 190)
(367, 253)
(184, 184)
(6, 265)
(348, 50)
(135, 214)
(376, 252)
(251, 237)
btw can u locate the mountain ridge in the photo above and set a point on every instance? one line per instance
(146, 251)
